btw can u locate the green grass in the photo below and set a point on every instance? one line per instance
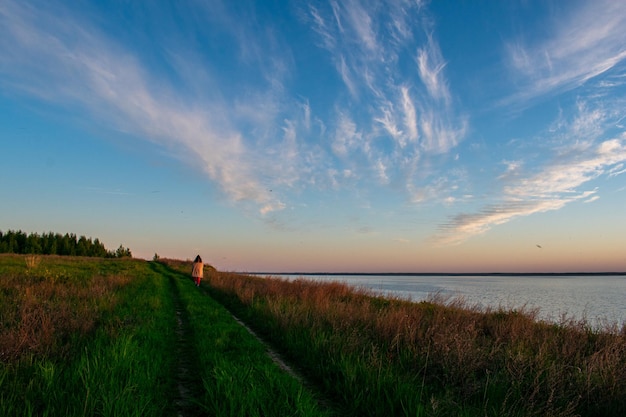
(380, 357)
(118, 365)
(101, 337)
(238, 378)
(104, 337)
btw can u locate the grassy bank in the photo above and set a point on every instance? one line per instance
(381, 357)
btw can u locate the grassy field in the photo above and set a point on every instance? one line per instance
(105, 337)
(83, 337)
(379, 357)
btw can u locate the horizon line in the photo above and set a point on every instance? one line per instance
(599, 273)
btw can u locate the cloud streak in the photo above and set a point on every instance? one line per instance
(409, 105)
(587, 42)
(236, 136)
(583, 44)
(43, 57)
(556, 185)
(430, 64)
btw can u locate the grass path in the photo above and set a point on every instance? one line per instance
(285, 364)
(276, 357)
(223, 367)
(90, 337)
(187, 378)
(279, 360)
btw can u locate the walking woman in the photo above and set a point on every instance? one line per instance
(197, 271)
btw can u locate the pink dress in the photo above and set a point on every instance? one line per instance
(197, 271)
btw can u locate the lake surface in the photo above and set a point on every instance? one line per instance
(599, 299)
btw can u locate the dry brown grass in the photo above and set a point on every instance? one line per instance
(32, 261)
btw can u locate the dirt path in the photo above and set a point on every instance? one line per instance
(275, 356)
(282, 363)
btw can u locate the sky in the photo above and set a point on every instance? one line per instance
(300, 136)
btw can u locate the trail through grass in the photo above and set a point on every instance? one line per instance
(186, 376)
(238, 377)
(93, 337)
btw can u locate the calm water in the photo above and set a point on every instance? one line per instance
(598, 299)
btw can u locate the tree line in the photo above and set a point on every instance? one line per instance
(57, 244)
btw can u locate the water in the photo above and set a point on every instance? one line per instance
(598, 299)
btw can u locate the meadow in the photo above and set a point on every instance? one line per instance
(86, 336)
(125, 337)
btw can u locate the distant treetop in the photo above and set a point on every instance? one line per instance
(57, 244)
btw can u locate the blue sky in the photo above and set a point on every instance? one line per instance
(321, 136)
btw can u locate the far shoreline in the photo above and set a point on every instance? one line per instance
(446, 274)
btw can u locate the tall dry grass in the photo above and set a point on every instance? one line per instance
(32, 261)
(498, 360)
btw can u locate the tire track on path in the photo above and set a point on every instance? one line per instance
(274, 356)
(187, 380)
(280, 361)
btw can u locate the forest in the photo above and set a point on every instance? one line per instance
(57, 244)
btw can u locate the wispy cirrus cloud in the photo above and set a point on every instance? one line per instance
(387, 119)
(584, 43)
(438, 188)
(557, 183)
(323, 28)
(409, 117)
(430, 64)
(66, 62)
(361, 23)
(347, 137)
(617, 170)
(233, 121)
